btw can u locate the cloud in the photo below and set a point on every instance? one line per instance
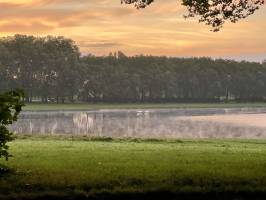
(101, 26)
(100, 44)
(13, 27)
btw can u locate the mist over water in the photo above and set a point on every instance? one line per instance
(152, 123)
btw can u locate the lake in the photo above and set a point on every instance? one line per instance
(151, 123)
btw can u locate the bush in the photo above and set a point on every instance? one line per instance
(10, 107)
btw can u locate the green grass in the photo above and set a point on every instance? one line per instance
(49, 107)
(61, 167)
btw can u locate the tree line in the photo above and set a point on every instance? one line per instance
(52, 69)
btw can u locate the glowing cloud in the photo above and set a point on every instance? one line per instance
(101, 26)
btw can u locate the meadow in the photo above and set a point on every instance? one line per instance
(82, 106)
(82, 168)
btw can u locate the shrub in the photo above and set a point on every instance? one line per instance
(10, 106)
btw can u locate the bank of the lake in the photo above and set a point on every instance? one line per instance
(77, 106)
(80, 168)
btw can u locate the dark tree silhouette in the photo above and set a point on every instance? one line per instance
(51, 69)
(10, 107)
(213, 12)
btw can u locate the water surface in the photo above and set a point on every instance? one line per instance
(151, 123)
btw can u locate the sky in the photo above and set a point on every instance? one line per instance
(103, 26)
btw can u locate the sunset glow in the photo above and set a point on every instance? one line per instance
(102, 26)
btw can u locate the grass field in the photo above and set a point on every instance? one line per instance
(50, 107)
(51, 168)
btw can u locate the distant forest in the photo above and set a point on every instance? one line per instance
(52, 69)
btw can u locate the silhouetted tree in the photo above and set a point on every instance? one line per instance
(51, 69)
(10, 107)
(213, 12)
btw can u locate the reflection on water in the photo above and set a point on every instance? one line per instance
(158, 123)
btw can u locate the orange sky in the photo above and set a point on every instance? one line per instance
(101, 26)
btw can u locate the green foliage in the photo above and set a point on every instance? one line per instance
(51, 69)
(162, 79)
(214, 12)
(42, 66)
(10, 107)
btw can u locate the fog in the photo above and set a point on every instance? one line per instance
(152, 123)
